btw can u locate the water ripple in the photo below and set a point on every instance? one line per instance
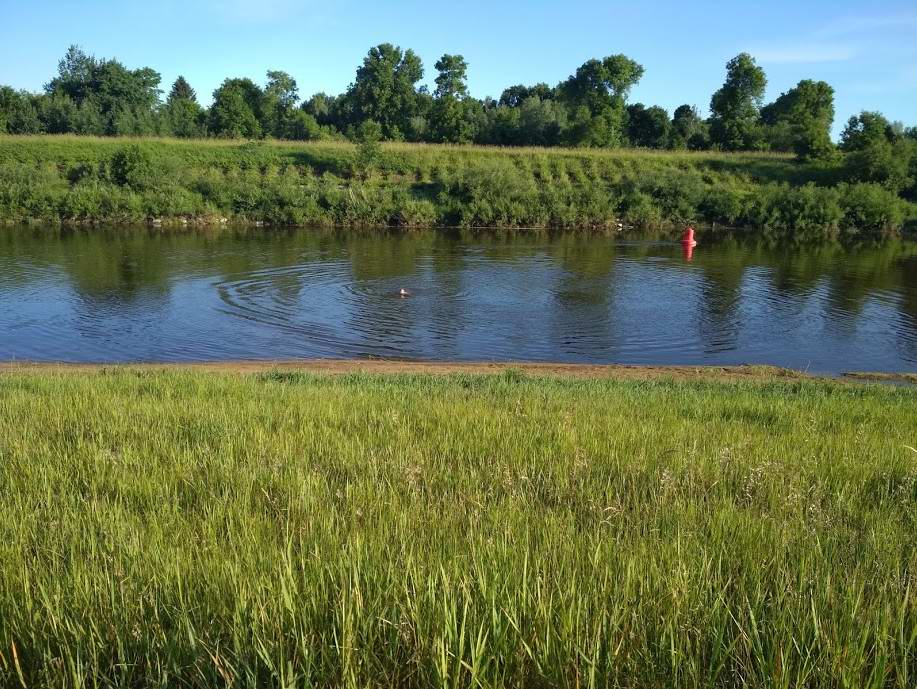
(526, 298)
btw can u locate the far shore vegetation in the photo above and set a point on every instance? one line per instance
(282, 529)
(88, 180)
(577, 154)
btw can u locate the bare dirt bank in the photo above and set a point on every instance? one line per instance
(389, 366)
(343, 366)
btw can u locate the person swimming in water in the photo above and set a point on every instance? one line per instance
(403, 293)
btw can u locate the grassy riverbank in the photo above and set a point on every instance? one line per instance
(85, 179)
(183, 528)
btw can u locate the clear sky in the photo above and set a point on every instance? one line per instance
(866, 50)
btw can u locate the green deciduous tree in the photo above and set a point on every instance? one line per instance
(109, 98)
(734, 109)
(689, 130)
(875, 152)
(515, 96)
(541, 122)
(648, 127)
(74, 75)
(236, 110)
(800, 120)
(865, 130)
(454, 120)
(453, 117)
(298, 125)
(281, 95)
(600, 88)
(452, 72)
(323, 108)
(385, 89)
(18, 112)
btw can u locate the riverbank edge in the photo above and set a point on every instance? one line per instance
(617, 228)
(622, 372)
(667, 230)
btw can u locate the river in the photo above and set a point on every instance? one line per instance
(132, 295)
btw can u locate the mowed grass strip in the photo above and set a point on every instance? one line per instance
(198, 529)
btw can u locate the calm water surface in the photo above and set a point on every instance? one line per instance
(135, 295)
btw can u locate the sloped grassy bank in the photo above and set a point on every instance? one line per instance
(84, 179)
(280, 529)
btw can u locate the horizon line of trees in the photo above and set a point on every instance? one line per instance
(589, 109)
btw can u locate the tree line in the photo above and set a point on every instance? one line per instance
(386, 102)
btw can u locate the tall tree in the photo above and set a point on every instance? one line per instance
(385, 89)
(597, 94)
(734, 109)
(181, 90)
(452, 117)
(236, 110)
(183, 113)
(451, 78)
(800, 119)
(110, 98)
(279, 104)
(74, 75)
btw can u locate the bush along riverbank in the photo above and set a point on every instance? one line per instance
(88, 180)
(282, 529)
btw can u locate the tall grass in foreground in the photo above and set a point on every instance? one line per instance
(187, 529)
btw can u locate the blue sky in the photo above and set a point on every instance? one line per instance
(866, 50)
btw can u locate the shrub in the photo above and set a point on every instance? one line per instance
(805, 213)
(870, 209)
(417, 213)
(640, 210)
(132, 166)
(677, 194)
(724, 204)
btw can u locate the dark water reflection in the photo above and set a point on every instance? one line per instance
(137, 295)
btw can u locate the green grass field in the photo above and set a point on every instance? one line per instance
(90, 180)
(188, 529)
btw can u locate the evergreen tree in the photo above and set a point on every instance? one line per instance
(183, 115)
(181, 90)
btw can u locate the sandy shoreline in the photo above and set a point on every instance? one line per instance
(386, 366)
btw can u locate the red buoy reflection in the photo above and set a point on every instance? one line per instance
(688, 244)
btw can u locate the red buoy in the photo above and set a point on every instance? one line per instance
(688, 237)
